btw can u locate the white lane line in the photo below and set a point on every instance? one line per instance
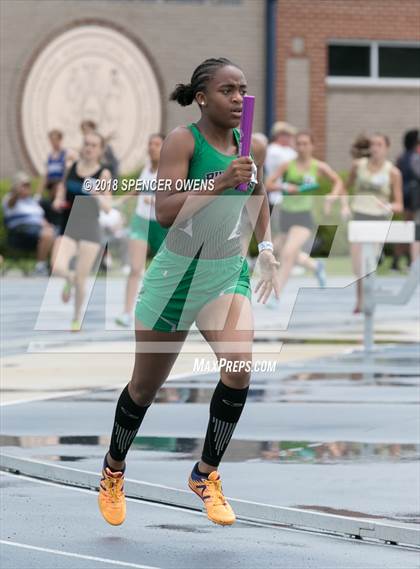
(76, 555)
(53, 395)
(69, 392)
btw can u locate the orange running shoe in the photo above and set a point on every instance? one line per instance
(210, 491)
(111, 497)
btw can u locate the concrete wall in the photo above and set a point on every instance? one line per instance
(177, 35)
(351, 111)
(297, 92)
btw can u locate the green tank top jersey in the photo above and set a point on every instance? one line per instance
(297, 202)
(213, 232)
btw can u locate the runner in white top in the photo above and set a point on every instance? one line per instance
(279, 151)
(146, 200)
(146, 233)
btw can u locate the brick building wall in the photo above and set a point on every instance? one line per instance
(317, 21)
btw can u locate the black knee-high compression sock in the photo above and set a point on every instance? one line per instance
(225, 409)
(128, 418)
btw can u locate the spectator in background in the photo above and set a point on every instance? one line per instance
(58, 160)
(407, 164)
(415, 201)
(24, 218)
(404, 163)
(109, 160)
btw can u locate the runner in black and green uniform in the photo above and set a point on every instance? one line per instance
(296, 222)
(198, 275)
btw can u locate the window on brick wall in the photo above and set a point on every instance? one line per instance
(349, 60)
(401, 62)
(372, 61)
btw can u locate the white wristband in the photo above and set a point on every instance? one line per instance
(265, 246)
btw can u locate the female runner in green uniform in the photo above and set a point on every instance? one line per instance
(198, 275)
(296, 221)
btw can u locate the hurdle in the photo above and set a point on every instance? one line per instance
(370, 234)
(370, 530)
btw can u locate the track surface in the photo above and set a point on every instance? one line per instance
(158, 536)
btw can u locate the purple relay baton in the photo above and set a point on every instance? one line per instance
(246, 131)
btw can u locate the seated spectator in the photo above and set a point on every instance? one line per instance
(24, 218)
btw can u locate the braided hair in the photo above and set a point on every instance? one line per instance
(184, 94)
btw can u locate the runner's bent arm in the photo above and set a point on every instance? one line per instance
(351, 177)
(174, 205)
(258, 209)
(272, 184)
(105, 197)
(396, 204)
(259, 214)
(325, 170)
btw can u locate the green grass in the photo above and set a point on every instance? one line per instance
(338, 266)
(341, 266)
